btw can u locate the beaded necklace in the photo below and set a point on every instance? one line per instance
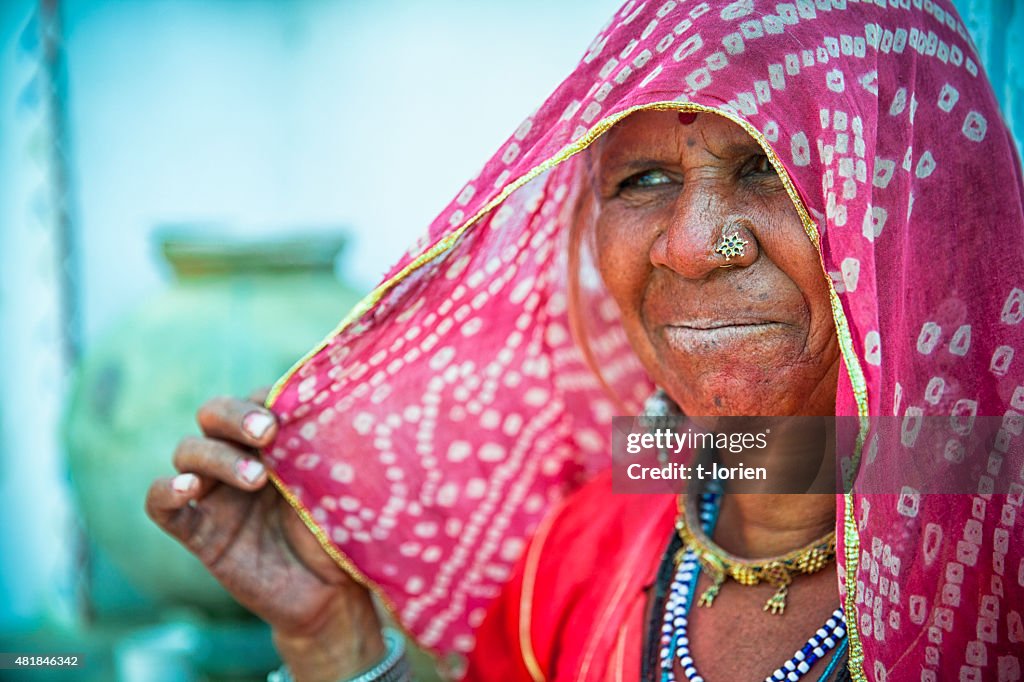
(675, 643)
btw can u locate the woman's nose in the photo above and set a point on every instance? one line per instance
(702, 236)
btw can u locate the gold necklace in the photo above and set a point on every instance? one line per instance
(778, 571)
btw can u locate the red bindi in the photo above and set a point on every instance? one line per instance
(687, 117)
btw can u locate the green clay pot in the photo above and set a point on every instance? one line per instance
(237, 315)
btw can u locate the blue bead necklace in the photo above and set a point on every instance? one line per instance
(675, 643)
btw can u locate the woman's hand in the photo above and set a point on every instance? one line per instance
(222, 509)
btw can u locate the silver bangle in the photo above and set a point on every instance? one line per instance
(394, 667)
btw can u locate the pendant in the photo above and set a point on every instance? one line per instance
(708, 598)
(778, 575)
(777, 603)
(716, 571)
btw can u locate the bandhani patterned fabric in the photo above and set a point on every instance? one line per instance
(424, 440)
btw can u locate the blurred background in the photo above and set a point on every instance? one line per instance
(192, 193)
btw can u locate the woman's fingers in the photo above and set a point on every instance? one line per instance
(167, 503)
(207, 525)
(238, 421)
(220, 461)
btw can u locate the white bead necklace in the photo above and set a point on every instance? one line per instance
(675, 643)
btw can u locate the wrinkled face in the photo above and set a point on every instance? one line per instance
(750, 335)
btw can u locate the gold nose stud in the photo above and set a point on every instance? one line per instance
(731, 246)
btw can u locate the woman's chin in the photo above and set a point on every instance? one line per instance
(731, 396)
(760, 380)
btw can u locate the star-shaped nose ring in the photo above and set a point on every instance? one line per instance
(731, 246)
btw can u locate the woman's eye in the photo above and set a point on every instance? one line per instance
(648, 178)
(759, 165)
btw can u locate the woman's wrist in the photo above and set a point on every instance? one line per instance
(347, 642)
(392, 667)
(319, 661)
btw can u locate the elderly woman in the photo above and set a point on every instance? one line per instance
(792, 209)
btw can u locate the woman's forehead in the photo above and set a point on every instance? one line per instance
(669, 132)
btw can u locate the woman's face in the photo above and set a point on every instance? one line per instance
(753, 338)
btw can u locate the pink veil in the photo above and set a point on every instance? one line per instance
(424, 439)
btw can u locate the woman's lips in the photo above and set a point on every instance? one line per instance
(702, 336)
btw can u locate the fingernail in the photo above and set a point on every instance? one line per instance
(256, 423)
(183, 483)
(249, 469)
